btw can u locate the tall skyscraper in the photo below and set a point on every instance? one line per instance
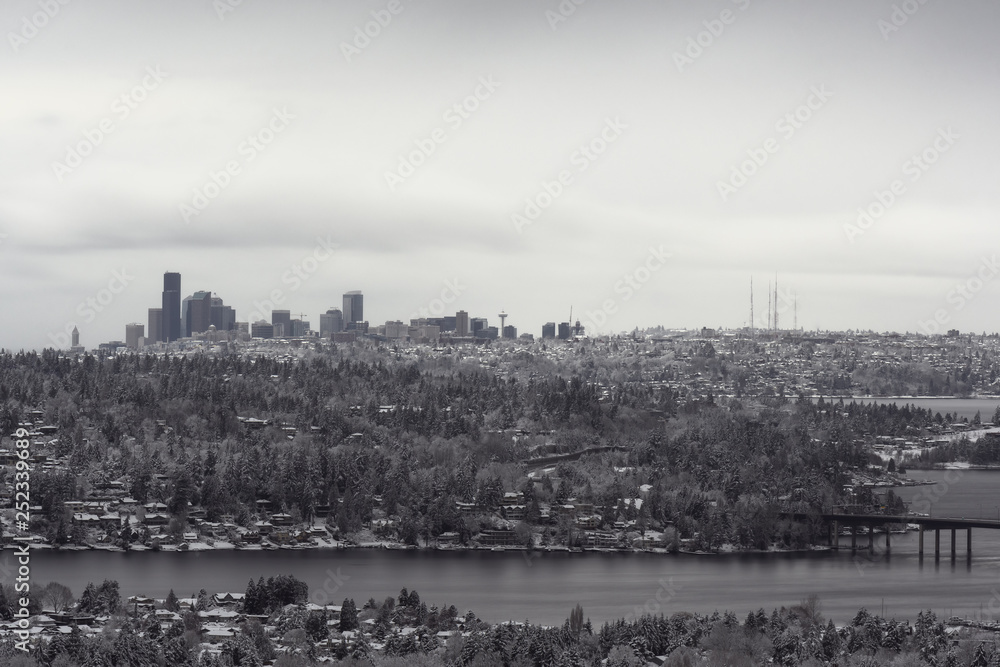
(549, 330)
(222, 316)
(281, 320)
(197, 312)
(354, 307)
(133, 332)
(171, 307)
(76, 337)
(462, 323)
(331, 322)
(477, 324)
(155, 325)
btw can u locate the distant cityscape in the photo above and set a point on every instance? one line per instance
(203, 316)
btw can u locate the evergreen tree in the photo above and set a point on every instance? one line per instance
(348, 616)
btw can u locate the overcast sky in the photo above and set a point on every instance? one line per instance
(699, 144)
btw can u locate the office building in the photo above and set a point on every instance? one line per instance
(171, 307)
(134, 335)
(462, 323)
(261, 329)
(396, 330)
(425, 333)
(510, 332)
(564, 330)
(155, 325)
(354, 307)
(549, 330)
(196, 313)
(477, 324)
(299, 328)
(331, 322)
(222, 317)
(489, 333)
(358, 328)
(281, 320)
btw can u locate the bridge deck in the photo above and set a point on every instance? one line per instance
(926, 521)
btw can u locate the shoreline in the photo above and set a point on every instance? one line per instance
(662, 551)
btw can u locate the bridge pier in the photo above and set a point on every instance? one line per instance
(924, 524)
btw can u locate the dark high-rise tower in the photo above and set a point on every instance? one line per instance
(197, 313)
(155, 325)
(171, 307)
(281, 320)
(354, 310)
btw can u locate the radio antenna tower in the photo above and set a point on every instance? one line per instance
(769, 306)
(775, 301)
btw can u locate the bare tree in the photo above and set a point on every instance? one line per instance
(57, 595)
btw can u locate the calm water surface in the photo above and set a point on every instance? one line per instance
(543, 588)
(963, 407)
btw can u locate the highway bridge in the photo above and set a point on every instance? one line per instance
(871, 521)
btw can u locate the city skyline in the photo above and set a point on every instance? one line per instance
(636, 164)
(781, 305)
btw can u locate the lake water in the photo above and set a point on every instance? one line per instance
(543, 588)
(963, 407)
